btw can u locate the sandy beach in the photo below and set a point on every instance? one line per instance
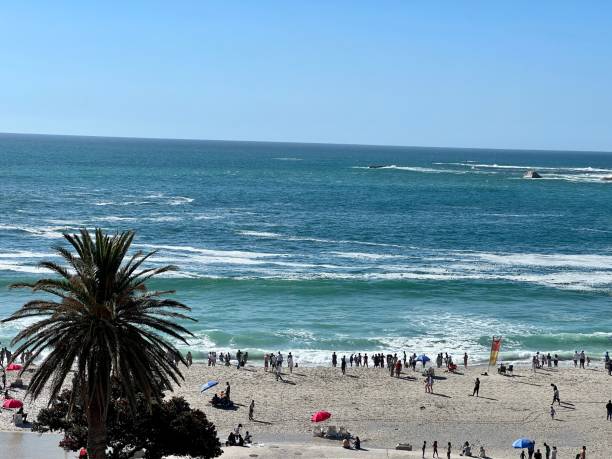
(384, 410)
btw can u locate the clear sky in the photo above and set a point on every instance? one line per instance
(534, 74)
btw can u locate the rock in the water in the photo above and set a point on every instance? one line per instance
(531, 174)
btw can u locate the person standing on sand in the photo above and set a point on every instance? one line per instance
(552, 413)
(365, 361)
(424, 446)
(576, 357)
(582, 454)
(278, 373)
(582, 359)
(537, 455)
(476, 387)
(435, 449)
(530, 450)
(290, 362)
(334, 360)
(251, 410)
(609, 410)
(547, 451)
(227, 390)
(448, 451)
(343, 364)
(465, 359)
(553, 453)
(266, 361)
(522, 456)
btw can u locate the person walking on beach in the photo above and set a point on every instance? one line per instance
(465, 359)
(476, 387)
(435, 449)
(555, 395)
(251, 410)
(334, 360)
(448, 450)
(343, 364)
(546, 451)
(278, 373)
(424, 446)
(609, 410)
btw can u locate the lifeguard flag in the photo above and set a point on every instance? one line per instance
(495, 347)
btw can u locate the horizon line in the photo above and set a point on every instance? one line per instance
(191, 139)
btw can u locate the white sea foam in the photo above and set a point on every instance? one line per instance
(49, 232)
(7, 265)
(426, 170)
(364, 256)
(26, 254)
(114, 218)
(179, 200)
(586, 169)
(266, 234)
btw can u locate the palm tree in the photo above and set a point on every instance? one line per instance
(102, 321)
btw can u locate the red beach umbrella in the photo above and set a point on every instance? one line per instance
(12, 403)
(320, 416)
(13, 367)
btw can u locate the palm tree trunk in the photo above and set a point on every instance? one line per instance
(96, 432)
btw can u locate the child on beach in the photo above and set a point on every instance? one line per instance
(552, 412)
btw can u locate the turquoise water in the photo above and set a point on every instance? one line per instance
(304, 248)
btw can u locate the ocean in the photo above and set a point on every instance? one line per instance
(304, 248)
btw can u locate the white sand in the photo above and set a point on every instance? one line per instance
(383, 411)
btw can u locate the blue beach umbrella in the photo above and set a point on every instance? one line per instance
(423, 358)
(523, 443)
(208, 385)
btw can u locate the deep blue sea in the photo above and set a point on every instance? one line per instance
(304, 248)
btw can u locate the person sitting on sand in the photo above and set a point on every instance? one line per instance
(346, 444)
(248, 438)
(482, 452)
(24, 416)
(466, 450)
(357, 443)
(231, 440)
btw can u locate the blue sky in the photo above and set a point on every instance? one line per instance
(468, 74)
